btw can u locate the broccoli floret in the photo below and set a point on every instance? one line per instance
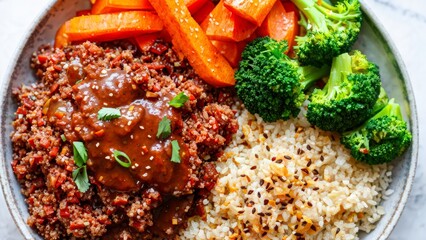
(270, 83)
(381, 102)
(330, 30)
(381, 139)
(347, 99)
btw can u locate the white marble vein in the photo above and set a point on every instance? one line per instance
(405, 21)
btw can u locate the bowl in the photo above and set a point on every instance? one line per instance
(373, 41)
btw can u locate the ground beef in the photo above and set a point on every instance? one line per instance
(43, 162)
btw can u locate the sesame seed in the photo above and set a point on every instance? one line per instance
(308, 147)
(279, 161)
(148, 167)
(149, 136)
(287, 157)
(97, 144)
(267, 148)
(151, 158)
(309, 163)
(265, 202)
(262, 182)
(257, 156)
(253, 168)
(250, 192)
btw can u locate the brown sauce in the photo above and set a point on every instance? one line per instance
(133, 133)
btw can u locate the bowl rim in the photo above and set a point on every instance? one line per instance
(44, 14)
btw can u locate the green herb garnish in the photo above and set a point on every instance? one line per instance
(106, 114)
(179, 100)
(81, 179)
(80, 154)
(64, 139)
(79, 175)
(175, 152)
(118, 154)
(164, 128)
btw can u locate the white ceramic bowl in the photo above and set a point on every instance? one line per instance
(373, 42)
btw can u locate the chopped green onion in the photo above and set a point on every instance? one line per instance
(64, 139)
(80, 153)
(179, 100)
(79, 81)
(118, 154)
(164, 129)
(81, 179)
(106, 114)
(175, 152)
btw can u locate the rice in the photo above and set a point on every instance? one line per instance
(288, 180)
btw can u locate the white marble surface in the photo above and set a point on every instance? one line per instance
(405, 21)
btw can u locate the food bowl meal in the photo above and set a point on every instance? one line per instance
(199, 119)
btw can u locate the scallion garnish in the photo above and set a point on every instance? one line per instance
(164, 129)
(175, 152)
(106, 114)
(64, 139)
(118, 154)
(179, 100)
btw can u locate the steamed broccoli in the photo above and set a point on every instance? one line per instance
(330, 30)
(381, 139)
(347, 99)
(270, 83)
(381, 102)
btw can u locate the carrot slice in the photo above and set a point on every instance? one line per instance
(203, 12)
(230, 50)
(254, 11)
(108, 27)
(189, 39)
(223, 25)
(195, 5)
(280, 25)
(110, 6)
(144, 42)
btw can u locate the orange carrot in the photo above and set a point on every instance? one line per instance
(144, 42)
(107, 27)
(230, 50)
(280, 25)
(203, 12)
(254, 11)
(189, 39)
(109, 6)
(289, 6)
(195, 5)
(93, 1)
(223, 25)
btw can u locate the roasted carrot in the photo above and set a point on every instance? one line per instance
(109, 6)
(195, 5)
(230, 50)
(223, 25)
(106, 27)
(93, 1)
(289, 6)
(144, 42)
(280, 25)
(254, 11)
(189, 39)
(203, 12)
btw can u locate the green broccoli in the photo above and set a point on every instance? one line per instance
(381, 102)
(270, 83)
(381, 139)
(347, 99)
(330, 30)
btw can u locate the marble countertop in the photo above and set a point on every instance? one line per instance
(405, 21)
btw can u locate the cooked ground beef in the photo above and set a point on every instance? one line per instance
(57, 109)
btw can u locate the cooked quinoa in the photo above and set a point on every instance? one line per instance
(51, 115)
(289, 180)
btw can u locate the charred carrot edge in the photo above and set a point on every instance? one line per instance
(254, 11)
(107, 27)
(190, 40)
